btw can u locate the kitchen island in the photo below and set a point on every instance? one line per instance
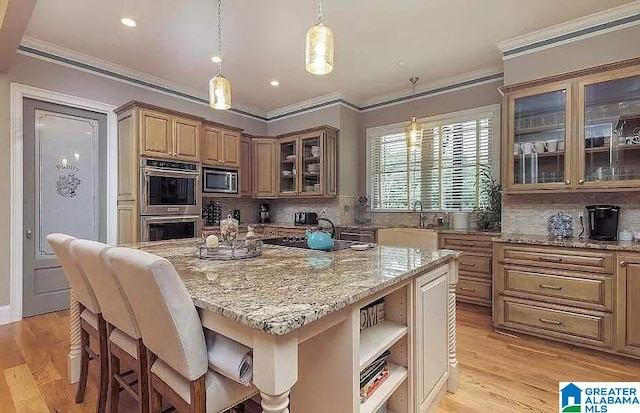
(299, 310)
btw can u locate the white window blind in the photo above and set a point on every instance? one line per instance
(443, 175)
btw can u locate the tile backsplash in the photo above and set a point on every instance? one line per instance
(528, 214)
(339, 210)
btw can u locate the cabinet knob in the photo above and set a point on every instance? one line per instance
(581, 181)
(256, 192)
(568, 182)
(623, 263)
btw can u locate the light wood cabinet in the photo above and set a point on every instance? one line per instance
(474, 266)
(169, 137)
(265, 168)
(628, 311)
(186, 134)
(156, 134)
(307, 163)
(574, 132)
(585, 297)
(246, 166)
(221, 147)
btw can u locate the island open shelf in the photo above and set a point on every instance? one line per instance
(397, 376)
(391, 334)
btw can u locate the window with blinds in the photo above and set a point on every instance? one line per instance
(443, 174)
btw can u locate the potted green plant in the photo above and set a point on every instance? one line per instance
(489, 213)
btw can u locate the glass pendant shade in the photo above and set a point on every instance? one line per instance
(319, 51)
(414, 135)
(220, 93)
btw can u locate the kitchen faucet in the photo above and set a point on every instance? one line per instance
(422, 217)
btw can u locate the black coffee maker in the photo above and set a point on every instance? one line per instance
(602, 222)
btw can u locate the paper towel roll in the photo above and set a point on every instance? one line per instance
(229, 358)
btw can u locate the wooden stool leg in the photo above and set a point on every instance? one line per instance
(84, 366)
(156, 400)
(114, 386)
(104, 366)
(143, 379)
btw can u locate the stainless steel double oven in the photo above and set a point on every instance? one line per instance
(170, 194)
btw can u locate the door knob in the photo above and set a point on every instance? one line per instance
(29, 233)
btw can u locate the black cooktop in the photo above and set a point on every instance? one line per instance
(299, 241)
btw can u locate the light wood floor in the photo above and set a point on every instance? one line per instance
(497, 373)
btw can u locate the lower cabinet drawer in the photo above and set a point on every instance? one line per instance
(591, 327)
(476, 264)
(476, 289)
(595, 292)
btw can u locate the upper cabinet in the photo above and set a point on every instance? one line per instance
(307, 164)
(170, 137)
(221, 147)
(246, 166)
(609, 130)
(263, 175)
(578, 134)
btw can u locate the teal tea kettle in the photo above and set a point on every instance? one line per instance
(318, 239)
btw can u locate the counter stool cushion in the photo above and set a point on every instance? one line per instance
(125, 342)
(222, 393)
(90, 318)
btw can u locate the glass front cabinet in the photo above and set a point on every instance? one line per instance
(308, 164)
(582, 134)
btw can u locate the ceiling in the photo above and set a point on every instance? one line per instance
(264, 40)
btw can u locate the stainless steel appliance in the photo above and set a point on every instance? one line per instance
(169, 187)
(357, 234)
(159, 228)
(603, 222)
(220, 181)
(264, 213)
(305, 218)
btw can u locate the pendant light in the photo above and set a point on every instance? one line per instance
(413, 132)
(219, 86)
(319, 50)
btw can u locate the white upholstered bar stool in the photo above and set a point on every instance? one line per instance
(174, 337)
(125, 340)
(91, 322)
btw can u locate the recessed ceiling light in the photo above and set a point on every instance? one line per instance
(275, 83)
(216, 59)
(129, 22)
(400, 63)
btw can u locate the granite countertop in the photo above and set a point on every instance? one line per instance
(468, 232)
(545, 240)
(288, 288)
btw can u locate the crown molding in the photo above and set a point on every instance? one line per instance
(49, 52)
(53, 53)
(424, 90)
(584, 27)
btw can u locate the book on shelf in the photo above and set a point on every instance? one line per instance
(370, 387)
(372, 314)
(372, 369)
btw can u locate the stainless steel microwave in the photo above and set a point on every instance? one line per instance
(221, 181)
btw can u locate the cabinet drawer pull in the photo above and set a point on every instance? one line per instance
(467, 243)
(468, 264)
(551, 259)
(550, 287)
(554, 322)
(467, 289)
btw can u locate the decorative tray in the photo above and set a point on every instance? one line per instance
(237, 251)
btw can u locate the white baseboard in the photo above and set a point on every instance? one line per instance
(5, 314)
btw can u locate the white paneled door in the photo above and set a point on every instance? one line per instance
(64, 191)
